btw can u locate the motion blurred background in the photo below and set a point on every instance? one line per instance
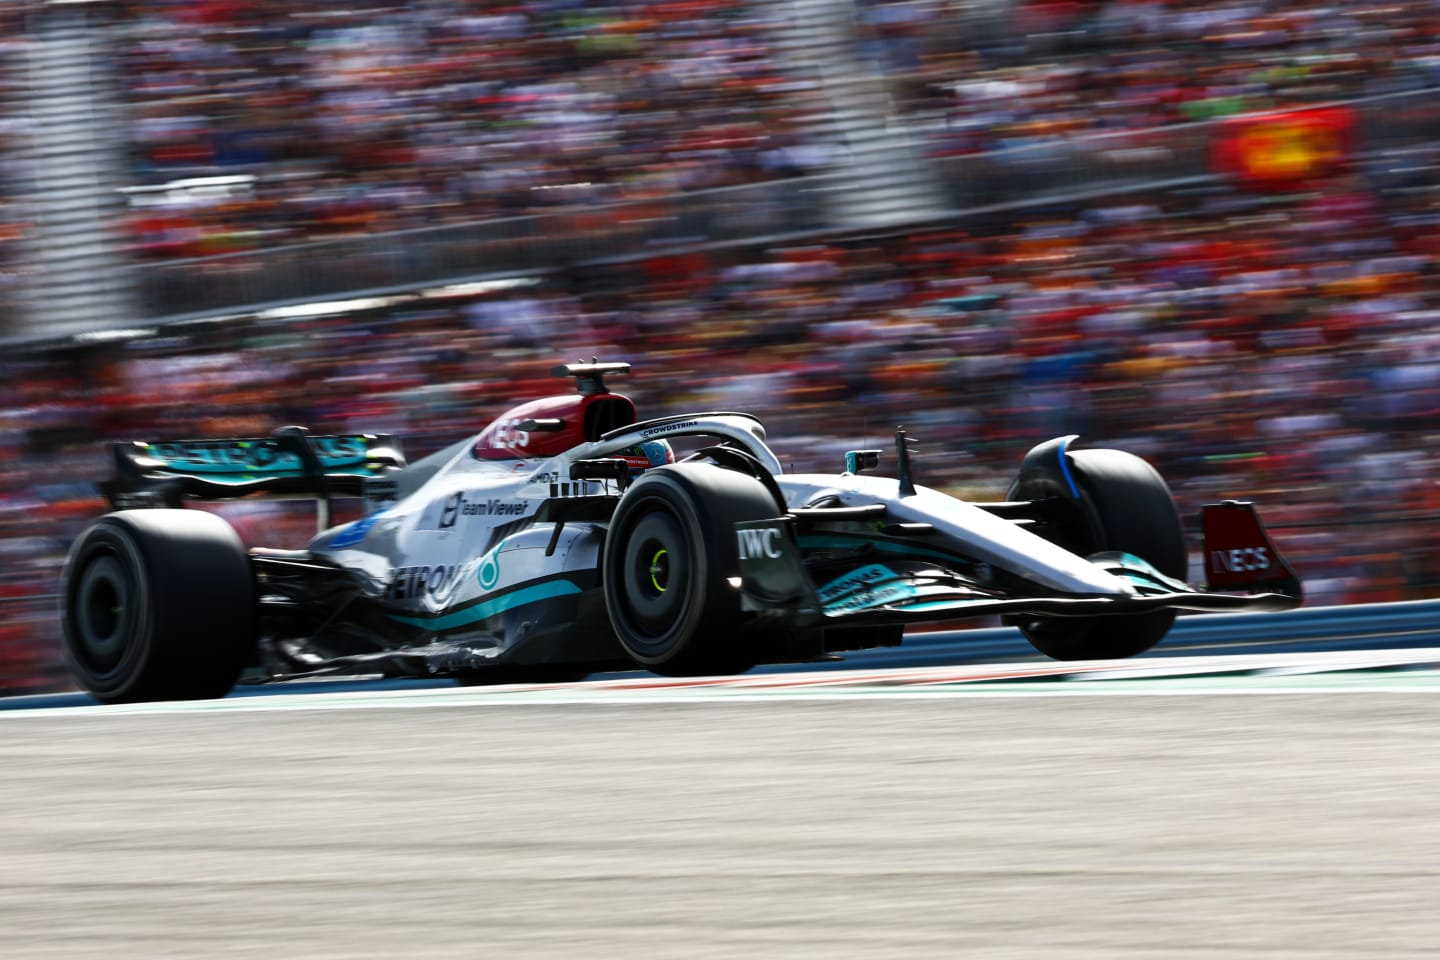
(1200, 231)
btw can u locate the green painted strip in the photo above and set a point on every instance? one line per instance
(489, 608)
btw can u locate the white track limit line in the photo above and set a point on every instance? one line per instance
(1379, 671)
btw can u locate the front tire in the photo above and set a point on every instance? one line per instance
(669, 560)
(1125, 505)
(158, 605)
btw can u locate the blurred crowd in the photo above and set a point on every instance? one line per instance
(380, 116)
(1274, 347)
(1062, 67)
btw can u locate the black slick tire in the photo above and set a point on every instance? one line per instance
(670, 556)
(158, 605)
(1130, 509)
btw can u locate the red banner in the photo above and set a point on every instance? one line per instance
(1279, 151)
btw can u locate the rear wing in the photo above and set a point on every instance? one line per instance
(291, 464)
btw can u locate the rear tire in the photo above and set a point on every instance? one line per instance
(669, 558)
(1130, 509)
(158, 605)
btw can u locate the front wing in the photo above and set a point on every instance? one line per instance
(775, 580)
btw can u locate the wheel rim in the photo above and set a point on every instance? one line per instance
(660, 570)
(102, 614)
(655, 574)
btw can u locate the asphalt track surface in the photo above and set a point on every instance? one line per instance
(1279, 807)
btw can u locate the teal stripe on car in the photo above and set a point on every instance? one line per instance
(534, 593)
(844, 542)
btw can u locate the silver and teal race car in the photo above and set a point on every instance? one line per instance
(568, 537)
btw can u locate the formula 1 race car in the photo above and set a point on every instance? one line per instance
(567, 538)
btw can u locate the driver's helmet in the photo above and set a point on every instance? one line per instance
(650, 453)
